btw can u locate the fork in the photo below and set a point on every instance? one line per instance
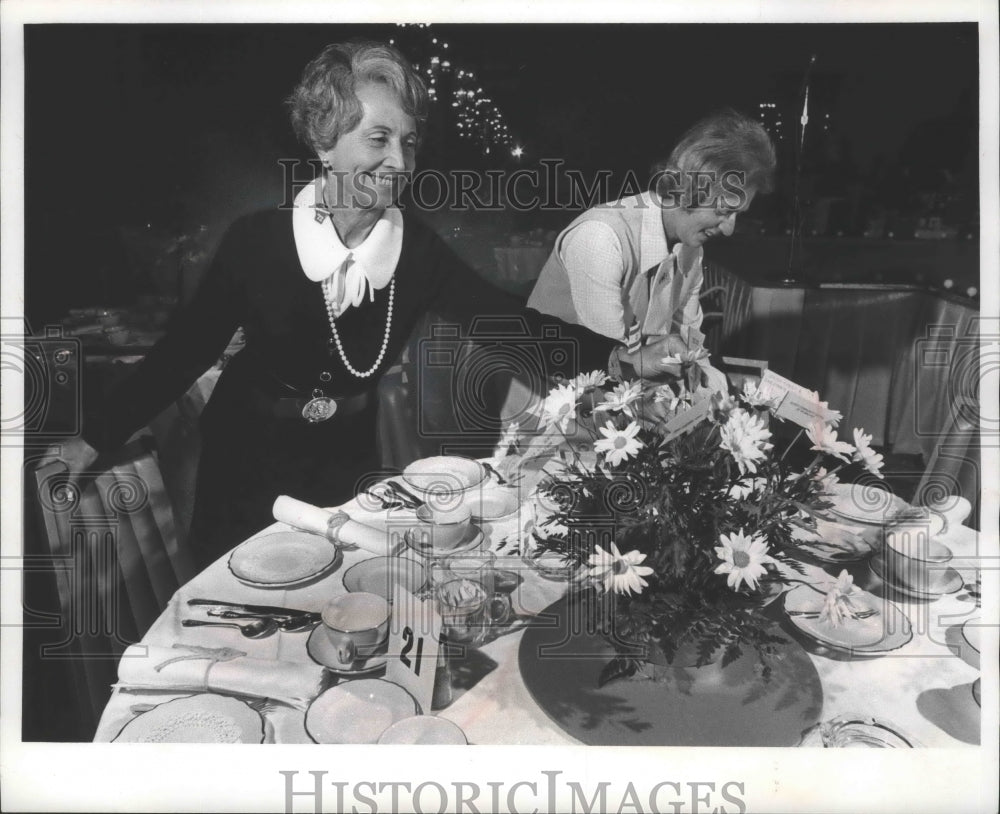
(813, 614)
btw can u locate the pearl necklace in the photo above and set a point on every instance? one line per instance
(328, 297)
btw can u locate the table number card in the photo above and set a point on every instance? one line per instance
(414, 638)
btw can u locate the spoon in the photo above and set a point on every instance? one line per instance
(256, 629)
(290, 624)
(403, 492)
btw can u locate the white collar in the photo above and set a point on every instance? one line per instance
(321, 253)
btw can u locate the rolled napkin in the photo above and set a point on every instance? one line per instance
(336, 526)
(222, 669)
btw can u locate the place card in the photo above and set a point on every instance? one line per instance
(806, 412)
(685, 421)
(414, 639)
(774, 386)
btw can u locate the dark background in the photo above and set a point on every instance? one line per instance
(167, 130)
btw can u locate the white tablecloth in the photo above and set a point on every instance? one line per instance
(925, 688)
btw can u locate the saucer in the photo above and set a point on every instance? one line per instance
(864, 504)
(833, 542)
(380, 575)
(493, 504)
(472, 540)
(952, 581)
(318, 648)
(358, 711)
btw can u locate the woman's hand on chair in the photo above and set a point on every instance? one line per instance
(76, 453)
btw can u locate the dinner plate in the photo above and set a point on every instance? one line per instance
(865, 503)
(282, 559)
(358, 711)
(204, 718)
(380, 575)
(951, 582)
(444, 474)
(320, 650)
(472, 540)
(854, 637)
(833, 542)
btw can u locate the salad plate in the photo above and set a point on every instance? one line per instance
(282, 559)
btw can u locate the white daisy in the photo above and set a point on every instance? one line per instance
(617, 445)
(620, 399)
(559, 407)
(864, 454)
(743, 558)
(619, 572)
(827, 480)
(824, 438)
(587, 381)
(745, 437)
(751, 395)
(832, 416)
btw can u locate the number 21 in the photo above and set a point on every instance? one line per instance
(403, 657)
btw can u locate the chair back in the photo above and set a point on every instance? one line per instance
(117, 561)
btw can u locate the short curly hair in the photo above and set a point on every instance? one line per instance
(324, 104)
(724, 142)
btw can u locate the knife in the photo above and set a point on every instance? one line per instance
(270, 610)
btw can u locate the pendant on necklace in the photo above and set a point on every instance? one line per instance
(319, 408)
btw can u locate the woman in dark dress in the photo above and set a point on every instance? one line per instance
(327, 294)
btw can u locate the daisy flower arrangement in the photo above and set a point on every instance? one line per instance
(682, 528)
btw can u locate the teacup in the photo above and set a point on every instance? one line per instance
(355, 625)
(442, 528)
(913, 558)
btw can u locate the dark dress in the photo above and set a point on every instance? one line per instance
(250, 453)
